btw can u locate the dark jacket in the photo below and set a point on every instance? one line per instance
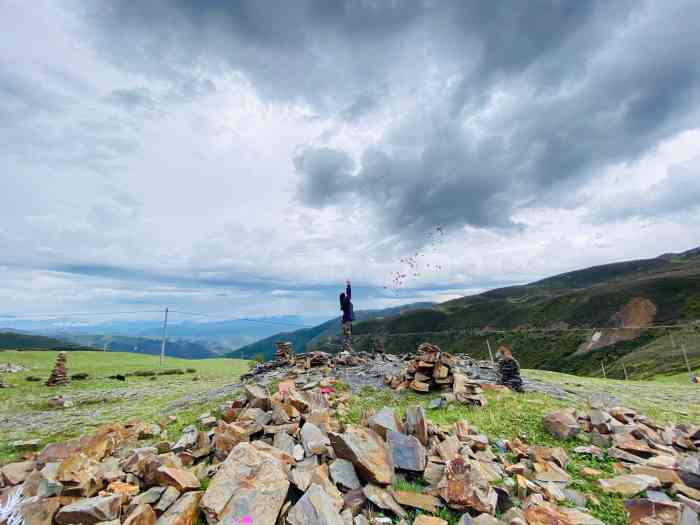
(509, 374)
(346, 305)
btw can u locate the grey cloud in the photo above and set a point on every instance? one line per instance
(588, 84)
(677, 193)
(138, 98)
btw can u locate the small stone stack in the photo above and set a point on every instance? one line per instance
(59, 375)
(285, 351)
(434, 370)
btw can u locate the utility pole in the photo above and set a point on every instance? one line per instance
(164, 337)
(687, 364)
(488, 345)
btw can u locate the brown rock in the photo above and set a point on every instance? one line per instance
(89, 511)
(368, 453)
(170, 495)
(250, 482)
(428, 520)
(257, 397)
(141, 515)
(321, 478)
(39, 512)
(184, 511)
(143, 463)
(125, 490)
(589, 472)
(416, 424)
(629, 484)
(383, 421)
(80, 475)
(383, 499)
(449, 448)
(463, 487)
(561, 423)
(416, 500)
(665, 476)
(433, 473)
(315, 507)
(16, 473)
(182, 480)
(313, 440)
(647, 512)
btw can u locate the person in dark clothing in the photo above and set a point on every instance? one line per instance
(508, 369)
(348, 316)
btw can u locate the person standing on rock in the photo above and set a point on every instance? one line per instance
(508, 369)
(348, 316)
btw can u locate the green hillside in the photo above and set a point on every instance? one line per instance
(20, 341)
(585, 298)
(317, 335)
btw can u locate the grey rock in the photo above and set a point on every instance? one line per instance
(315, 507)
(343, 474)
(407, 451)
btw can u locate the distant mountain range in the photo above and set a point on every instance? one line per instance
(324, 333)
(186, 338)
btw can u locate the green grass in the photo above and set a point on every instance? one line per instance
(25, 413)
(509, 415)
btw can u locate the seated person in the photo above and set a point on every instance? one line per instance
(508, 369)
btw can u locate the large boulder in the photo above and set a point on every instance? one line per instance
(258, 397)
(629, 484)
(39, 511)
(407, 451)
(368, 453)
(184, 511)
(182, 480)
(89, 511)
(251, 482)
(464, 487)
(383, 421)
(16, 473)
(562, 423)
(141, 515)
(315, 507)
(648, 512)
(343, 474)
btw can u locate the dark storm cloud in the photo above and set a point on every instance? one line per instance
(138, 98)
(571, 87)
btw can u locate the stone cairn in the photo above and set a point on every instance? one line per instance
(435, 370)
(59, 375)
(285, 351)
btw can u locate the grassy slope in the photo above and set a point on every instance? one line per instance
(17, 340)
(509, 415)
(506, 415)
(98, 399)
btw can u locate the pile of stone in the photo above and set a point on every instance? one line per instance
(59, 374)
(432, 370)
(650, 459)
(285, 459)
(292, 363)
(284, 351)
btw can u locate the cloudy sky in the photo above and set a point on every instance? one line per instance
(244, 158)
